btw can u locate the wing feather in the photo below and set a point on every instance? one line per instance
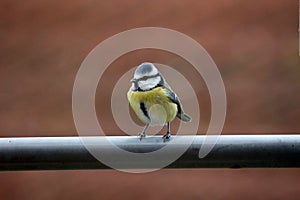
(174, 98)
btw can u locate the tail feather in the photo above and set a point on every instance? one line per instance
(184, 117)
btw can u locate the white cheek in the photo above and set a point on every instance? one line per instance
(144, 85)
(149, 83)
(132, 86)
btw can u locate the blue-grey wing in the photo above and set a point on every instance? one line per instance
(174, 98)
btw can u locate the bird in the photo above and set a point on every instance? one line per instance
(153, 100)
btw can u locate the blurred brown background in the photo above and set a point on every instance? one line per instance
(254, 44)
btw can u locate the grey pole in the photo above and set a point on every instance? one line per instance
(230, 151)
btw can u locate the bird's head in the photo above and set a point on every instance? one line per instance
(146, 77)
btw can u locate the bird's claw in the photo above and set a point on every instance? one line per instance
(142, 135)
(166, 136)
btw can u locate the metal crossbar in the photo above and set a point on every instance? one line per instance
(230, 151)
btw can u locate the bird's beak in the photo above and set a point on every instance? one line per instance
(133, 80)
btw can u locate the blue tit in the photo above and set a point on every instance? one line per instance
(152, 99)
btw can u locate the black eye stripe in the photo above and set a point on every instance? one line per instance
(144, 78)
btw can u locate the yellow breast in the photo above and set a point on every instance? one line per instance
(158, 106)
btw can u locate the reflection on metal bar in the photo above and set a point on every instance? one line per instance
(230, 151)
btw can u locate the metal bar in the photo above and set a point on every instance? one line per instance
(230, 151)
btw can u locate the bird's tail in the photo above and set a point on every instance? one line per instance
(184, 117)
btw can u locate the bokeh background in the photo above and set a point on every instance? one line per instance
(254, 44)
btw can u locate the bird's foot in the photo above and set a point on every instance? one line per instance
(142, 135)
(167, 136)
